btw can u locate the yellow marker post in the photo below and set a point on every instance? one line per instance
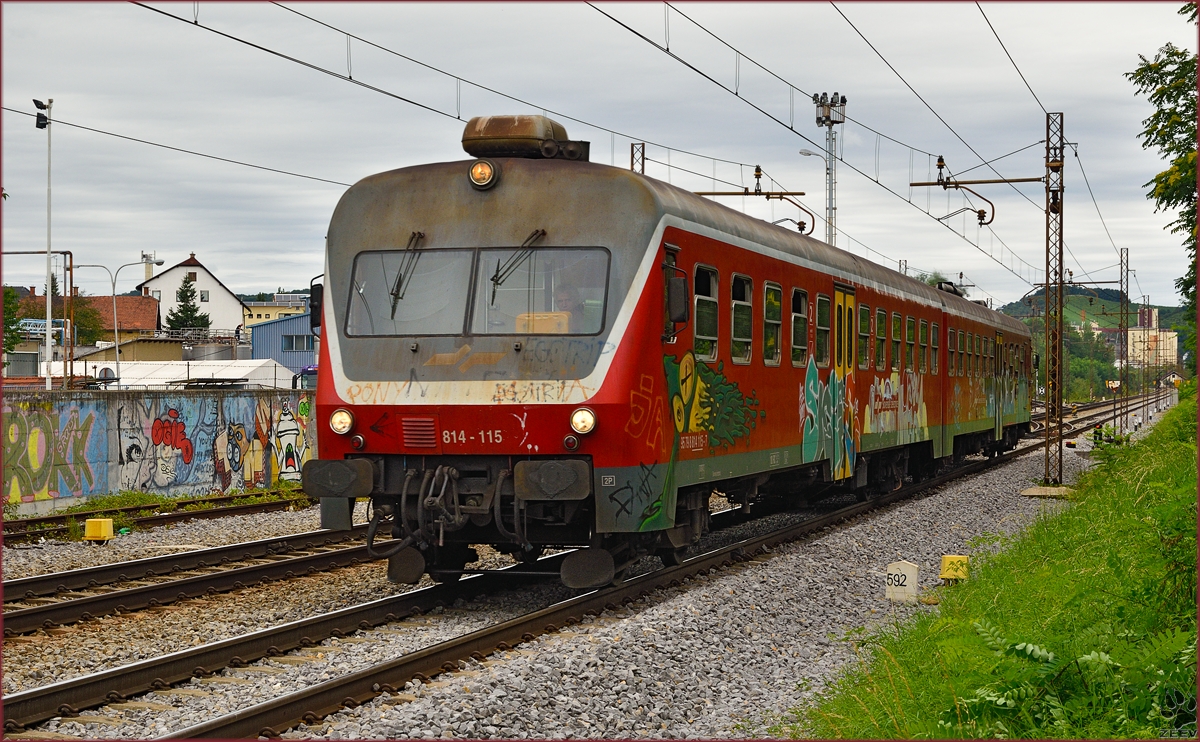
(98, 529)
(954, 568)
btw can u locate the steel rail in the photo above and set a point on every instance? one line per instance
(68, 697)
(269, 718)
(106, 574)
(25, 620)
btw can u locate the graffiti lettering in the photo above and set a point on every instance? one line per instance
(42, 459)
(170, 431)
(525, 392)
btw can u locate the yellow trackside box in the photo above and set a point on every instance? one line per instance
(953, 567)
(97, 529)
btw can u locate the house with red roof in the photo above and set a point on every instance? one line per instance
(224, 309)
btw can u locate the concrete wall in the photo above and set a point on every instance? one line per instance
(65, 445)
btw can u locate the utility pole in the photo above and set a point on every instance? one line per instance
(831, 110)
(637, 157)
(43, 122)
(1123, 342)
(1054, 298)
(1054, 279)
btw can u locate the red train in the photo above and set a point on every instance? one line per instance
(529, 350)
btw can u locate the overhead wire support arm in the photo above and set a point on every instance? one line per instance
(949, 182)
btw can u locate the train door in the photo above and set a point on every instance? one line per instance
(998, 384)
(841, 383)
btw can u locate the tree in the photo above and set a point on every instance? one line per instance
(1169, 83)
(186, 315)
(89, 325)
(11, 336)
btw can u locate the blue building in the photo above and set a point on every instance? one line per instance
(288, 340)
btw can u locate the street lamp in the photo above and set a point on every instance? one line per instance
(828, 200)
(146, 259)
(42, 121)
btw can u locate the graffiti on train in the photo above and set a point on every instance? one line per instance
(50, 453)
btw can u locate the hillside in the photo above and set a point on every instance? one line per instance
(1102, 307)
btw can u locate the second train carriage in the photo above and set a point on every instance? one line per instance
(530, 350)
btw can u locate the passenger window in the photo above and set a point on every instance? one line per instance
(924, 338)
(799, 327)
(864, 334)
(880, 339)
(910, 339)
(743, 319)
(837, 336)
(951, 366)
(705, 332)
(961, 346)
(979, 355)
(822, 330)
(897, 329)
(933, 365)
(772, 323)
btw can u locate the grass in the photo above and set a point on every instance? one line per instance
(1082, 626)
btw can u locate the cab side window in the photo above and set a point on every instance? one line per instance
(822, 330)
(772, 323)
(741, 290)
(910, 340)
(897, 330)
(864, 334)
(705, 332)
(924, 339)
(880, 339)
(933, 335)
(799, 327)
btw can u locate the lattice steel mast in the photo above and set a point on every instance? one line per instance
(1054, 297)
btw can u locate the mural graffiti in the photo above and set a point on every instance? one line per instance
(170, 443)
(51, 453)
(898, 407)
(829, 424)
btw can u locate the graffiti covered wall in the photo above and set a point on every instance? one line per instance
(77, 444)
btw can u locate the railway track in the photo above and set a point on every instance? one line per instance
(44, 601)
(69, 697)
(25, 529)
(310, 704)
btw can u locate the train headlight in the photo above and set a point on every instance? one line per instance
(341, 421)
(484, 174)
(583, 421)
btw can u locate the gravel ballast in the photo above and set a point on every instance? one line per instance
(723, 655)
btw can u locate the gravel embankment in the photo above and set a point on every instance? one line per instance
(28, 559)
(721, 656)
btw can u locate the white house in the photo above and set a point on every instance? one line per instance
(223, 307)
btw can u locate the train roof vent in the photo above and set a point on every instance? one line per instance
(537, 137)
(949, 288)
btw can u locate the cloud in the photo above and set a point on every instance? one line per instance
(126, 69)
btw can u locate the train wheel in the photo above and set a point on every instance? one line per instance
(453, 557)
(671, 557)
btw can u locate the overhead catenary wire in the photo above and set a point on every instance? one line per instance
(1033, 269)
(1010, 58)
(181, 149)
(346, 78)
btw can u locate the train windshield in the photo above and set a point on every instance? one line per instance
(409, 292)
(511, 291)
(542, 291)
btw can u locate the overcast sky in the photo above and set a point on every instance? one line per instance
(131, 71)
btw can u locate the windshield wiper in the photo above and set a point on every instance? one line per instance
(408, 264)
(514, 261)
